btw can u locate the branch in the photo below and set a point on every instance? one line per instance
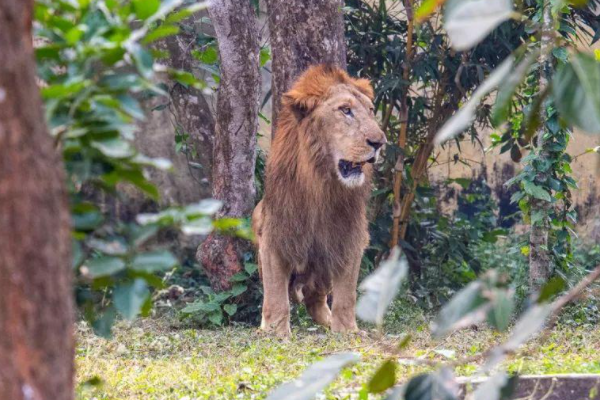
(575, 292)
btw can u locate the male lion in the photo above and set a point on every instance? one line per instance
(311, 226)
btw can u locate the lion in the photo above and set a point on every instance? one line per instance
(311, 226)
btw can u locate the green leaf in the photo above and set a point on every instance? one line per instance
(133, 176)
(427, 8)
(250, 268)
(77, 256)
(207, 56)
(130, 297)
(230, 309)
(143, 60)
(226, 224)
(105, 266)
(265, 56)
(216, 317)
(154, 261)
(381, 287)
(239, 277)
(200, 226)
(161, 32)
(103, 325)
(62, 91)
(575, 91)
(316, 378)
(384, 378)
(432, 386)
(114, 148)
(561, 53)
(86, 221)
(200, 307)
(110, 247)
(144, 9)
(184, 78)
(465, 308)
(131, 106)
(503, 306)
(178, 16)
(551, 288)
(74, 35)
(507, 90)
(535, 191)
(238, 289)
(469, 22)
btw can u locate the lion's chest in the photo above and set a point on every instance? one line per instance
(324, 237)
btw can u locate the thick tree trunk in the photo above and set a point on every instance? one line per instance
(36, 312)
(303, 33)
(539, 253)
(234, 149)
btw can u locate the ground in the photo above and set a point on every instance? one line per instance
(158, 358)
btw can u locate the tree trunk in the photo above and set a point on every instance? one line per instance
(36, 311)
(234, 149)
(188, 113)
(399, 169)
(539, 253)
(303, 33)
(441, 113)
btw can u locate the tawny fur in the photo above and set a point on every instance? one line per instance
(311, 229)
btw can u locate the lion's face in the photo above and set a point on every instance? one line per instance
(347, 119)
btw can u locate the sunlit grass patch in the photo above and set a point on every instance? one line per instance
(153, 360)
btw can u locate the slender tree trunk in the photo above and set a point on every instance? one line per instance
(539, 254)
(36, 312)
(303, 33)
(234, 149)
(399, 227)
(441, 113)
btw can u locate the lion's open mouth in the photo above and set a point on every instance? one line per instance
(350, 168)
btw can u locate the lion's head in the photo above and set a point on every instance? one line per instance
(339, 117)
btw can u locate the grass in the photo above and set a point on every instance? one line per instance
(159, 359)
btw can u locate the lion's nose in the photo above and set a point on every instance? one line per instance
(374, 144)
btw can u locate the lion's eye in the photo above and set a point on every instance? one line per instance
(346, 110)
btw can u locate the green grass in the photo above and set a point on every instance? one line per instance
(157, 359)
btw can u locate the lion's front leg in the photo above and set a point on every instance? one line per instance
(276, 302)
(343, 309)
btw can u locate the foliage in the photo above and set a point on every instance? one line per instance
(440, 78)
(213, 309)
(95, 65)
(376, 41)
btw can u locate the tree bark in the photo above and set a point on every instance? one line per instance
(36, 311)
(399, 169)
(234, 149)
(539, 253)
(303, 33)
(188, 112)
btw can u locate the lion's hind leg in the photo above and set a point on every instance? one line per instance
(315, 293)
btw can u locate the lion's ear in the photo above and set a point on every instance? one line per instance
(364, 86)
(300, 103)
